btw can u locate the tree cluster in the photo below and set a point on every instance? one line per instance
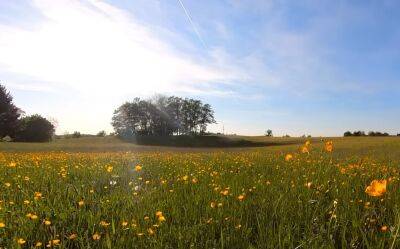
(18, 127)
(362, 133)
(162, 116)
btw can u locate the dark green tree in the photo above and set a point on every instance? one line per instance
(9, 114)
(35, 128)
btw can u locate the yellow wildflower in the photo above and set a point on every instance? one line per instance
(109, 169)
(150, 231)
(73, 236)
(81, 203)
(329, 146)
(21, 241)
(376, 188)
(288, 157)
(96, 236)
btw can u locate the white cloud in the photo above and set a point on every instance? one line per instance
(97, 50)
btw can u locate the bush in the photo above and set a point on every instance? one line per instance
(101, 134)
(76, 134)
(347, 134)
(35, 128)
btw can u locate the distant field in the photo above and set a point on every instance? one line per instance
(104, 144)
(104, 193)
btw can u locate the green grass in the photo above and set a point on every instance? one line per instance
(197, 191)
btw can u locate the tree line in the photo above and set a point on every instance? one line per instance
(15, 125)
(362, 133)
(162, 116)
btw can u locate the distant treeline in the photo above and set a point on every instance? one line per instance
(162, 116)
(14, 125)
(362, 133)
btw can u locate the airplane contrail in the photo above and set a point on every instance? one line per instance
(192, 23)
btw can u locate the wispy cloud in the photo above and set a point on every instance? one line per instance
(96, 48)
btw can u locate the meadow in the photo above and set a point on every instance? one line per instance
(102, 193)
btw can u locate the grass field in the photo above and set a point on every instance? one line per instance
(103, 193)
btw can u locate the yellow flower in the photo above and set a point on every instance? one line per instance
(150, 231)
(2, 225)
(104, 223)
(329, 146)
(161, 218)
(376, 188)
(225, 192)
(384, 228)
(124, 223)
(47, 222)
(32, 216)
(159, 213)
(26, 202)
(96, 236)
(213, 204)
(21, 241)
(304, 149)
(38, 195)
(12, 165)
(54, 242)
(138, 168)
(7, 184)
(185, 177)
(241, 197)
(73, 236)
(109, 169)
(307, 143)
(81, 203)
(288, 157)
(38, 244)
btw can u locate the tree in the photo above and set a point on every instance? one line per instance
(76, 134)
(9, 114)
(268, 133)
(348, 134)
(101, 134)
(35, 128)
(206, 117)
(162, 116)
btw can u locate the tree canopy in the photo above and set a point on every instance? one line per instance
(9, 114)
(162, 116)
(35, 128)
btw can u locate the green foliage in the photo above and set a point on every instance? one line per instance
(268, 133)
(162, 116)
(35, 128)
(362, 134)
(9, 114)
(101, 134)
(76, 134)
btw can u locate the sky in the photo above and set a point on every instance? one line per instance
(296, 67)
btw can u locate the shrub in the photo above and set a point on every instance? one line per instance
(76, 134)
(35, 128)
(101, 134)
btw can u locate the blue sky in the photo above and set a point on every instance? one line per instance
(296, 67)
